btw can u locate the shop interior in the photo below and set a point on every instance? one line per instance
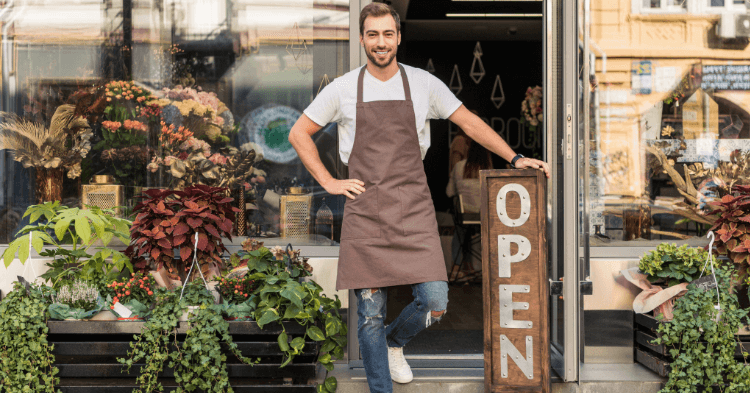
(489, 63)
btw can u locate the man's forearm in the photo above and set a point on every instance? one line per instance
(487, 137)
(308, 154)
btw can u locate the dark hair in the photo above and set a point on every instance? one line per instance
(477, 158)
(376, 10)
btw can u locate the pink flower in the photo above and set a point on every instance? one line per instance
(153, 167)
(112, 126)
(247, 186)
(218, 159)
(168, 160)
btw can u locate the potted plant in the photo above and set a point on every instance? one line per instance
(670, 265)
(192, 296)
(238, 296)
(80, 300)
(51, 151)
(77, 233)
(732, 227)
(133, 297)
(167, 220)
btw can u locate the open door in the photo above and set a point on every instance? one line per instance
(566, 247)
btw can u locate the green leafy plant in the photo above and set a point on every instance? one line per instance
(200, 364)
(283, 295)
(72, 241)
(26, 359)
(155, 343)
(701, 340)
(196, 293)
(673, 264)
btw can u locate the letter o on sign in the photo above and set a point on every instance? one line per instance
(502, 212)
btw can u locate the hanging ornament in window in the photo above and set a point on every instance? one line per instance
(297, 48)
(323, 83)
(455, 84)
(430, 66)
(477, 68)
(498, 95)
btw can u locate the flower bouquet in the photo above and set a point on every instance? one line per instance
(200, 111)
(132, 297)
(79, 300)
(531, 108)
(238, 299)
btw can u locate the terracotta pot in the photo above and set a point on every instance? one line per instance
(49, 183)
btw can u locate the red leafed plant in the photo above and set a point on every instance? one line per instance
(168, 219)
(733, 225)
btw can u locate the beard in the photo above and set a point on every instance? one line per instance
(381, 64)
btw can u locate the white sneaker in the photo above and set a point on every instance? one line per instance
(400, 370)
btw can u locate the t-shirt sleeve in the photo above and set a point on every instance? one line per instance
(442, 100)
(326, 107)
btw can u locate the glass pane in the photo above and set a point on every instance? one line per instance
(174, 94)
(668, 134)
(717, 3)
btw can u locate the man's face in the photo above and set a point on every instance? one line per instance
(380, 40)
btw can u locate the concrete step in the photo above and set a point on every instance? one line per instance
(471, 380)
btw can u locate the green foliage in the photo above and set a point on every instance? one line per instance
(196, 294)
(153, 346)
(673, 264)
(702, 341)
(26, 359)
(283, 296)
(72, 240)
(200, 363)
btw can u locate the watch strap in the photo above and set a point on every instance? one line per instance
(516, 158)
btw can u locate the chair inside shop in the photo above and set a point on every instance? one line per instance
(468, 231)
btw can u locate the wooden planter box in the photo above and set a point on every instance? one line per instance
(656, 357)
(86, 354)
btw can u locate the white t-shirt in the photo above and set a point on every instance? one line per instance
(337, 102)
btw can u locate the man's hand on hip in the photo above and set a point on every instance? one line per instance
(526, 162)
(345, 187)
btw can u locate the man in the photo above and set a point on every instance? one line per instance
(389, 233)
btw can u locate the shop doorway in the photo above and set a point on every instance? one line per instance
(489, 63)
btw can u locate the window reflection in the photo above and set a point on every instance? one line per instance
(669, 109)
(176, 93)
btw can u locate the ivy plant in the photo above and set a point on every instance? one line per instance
(701, 340)
(672, 264)
(199, 364)
(26, 359)
(285, 295)
(155, 343)
(69, 233)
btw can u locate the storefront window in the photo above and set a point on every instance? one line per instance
(104, 99)
(670, 121)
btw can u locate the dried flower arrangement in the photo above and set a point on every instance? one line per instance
(50, 150)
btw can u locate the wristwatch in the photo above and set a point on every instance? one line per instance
(516, 158)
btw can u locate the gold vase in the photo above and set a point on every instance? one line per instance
(49, 184)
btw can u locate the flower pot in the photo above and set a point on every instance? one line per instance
(49, 183)
(186, 315)
(133, 318)
(105, 315)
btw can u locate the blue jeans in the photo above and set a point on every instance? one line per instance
(374, 337)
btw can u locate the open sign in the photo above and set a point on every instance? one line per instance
(515, 283)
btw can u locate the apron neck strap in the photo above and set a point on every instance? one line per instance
(360, 83)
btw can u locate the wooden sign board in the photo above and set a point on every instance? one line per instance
(515, 283)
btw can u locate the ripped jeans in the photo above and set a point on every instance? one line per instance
(374, 337)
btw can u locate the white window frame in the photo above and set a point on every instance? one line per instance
(702, 7)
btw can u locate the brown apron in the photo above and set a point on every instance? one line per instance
(389, 234)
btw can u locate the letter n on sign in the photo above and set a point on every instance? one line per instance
(515, 285)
